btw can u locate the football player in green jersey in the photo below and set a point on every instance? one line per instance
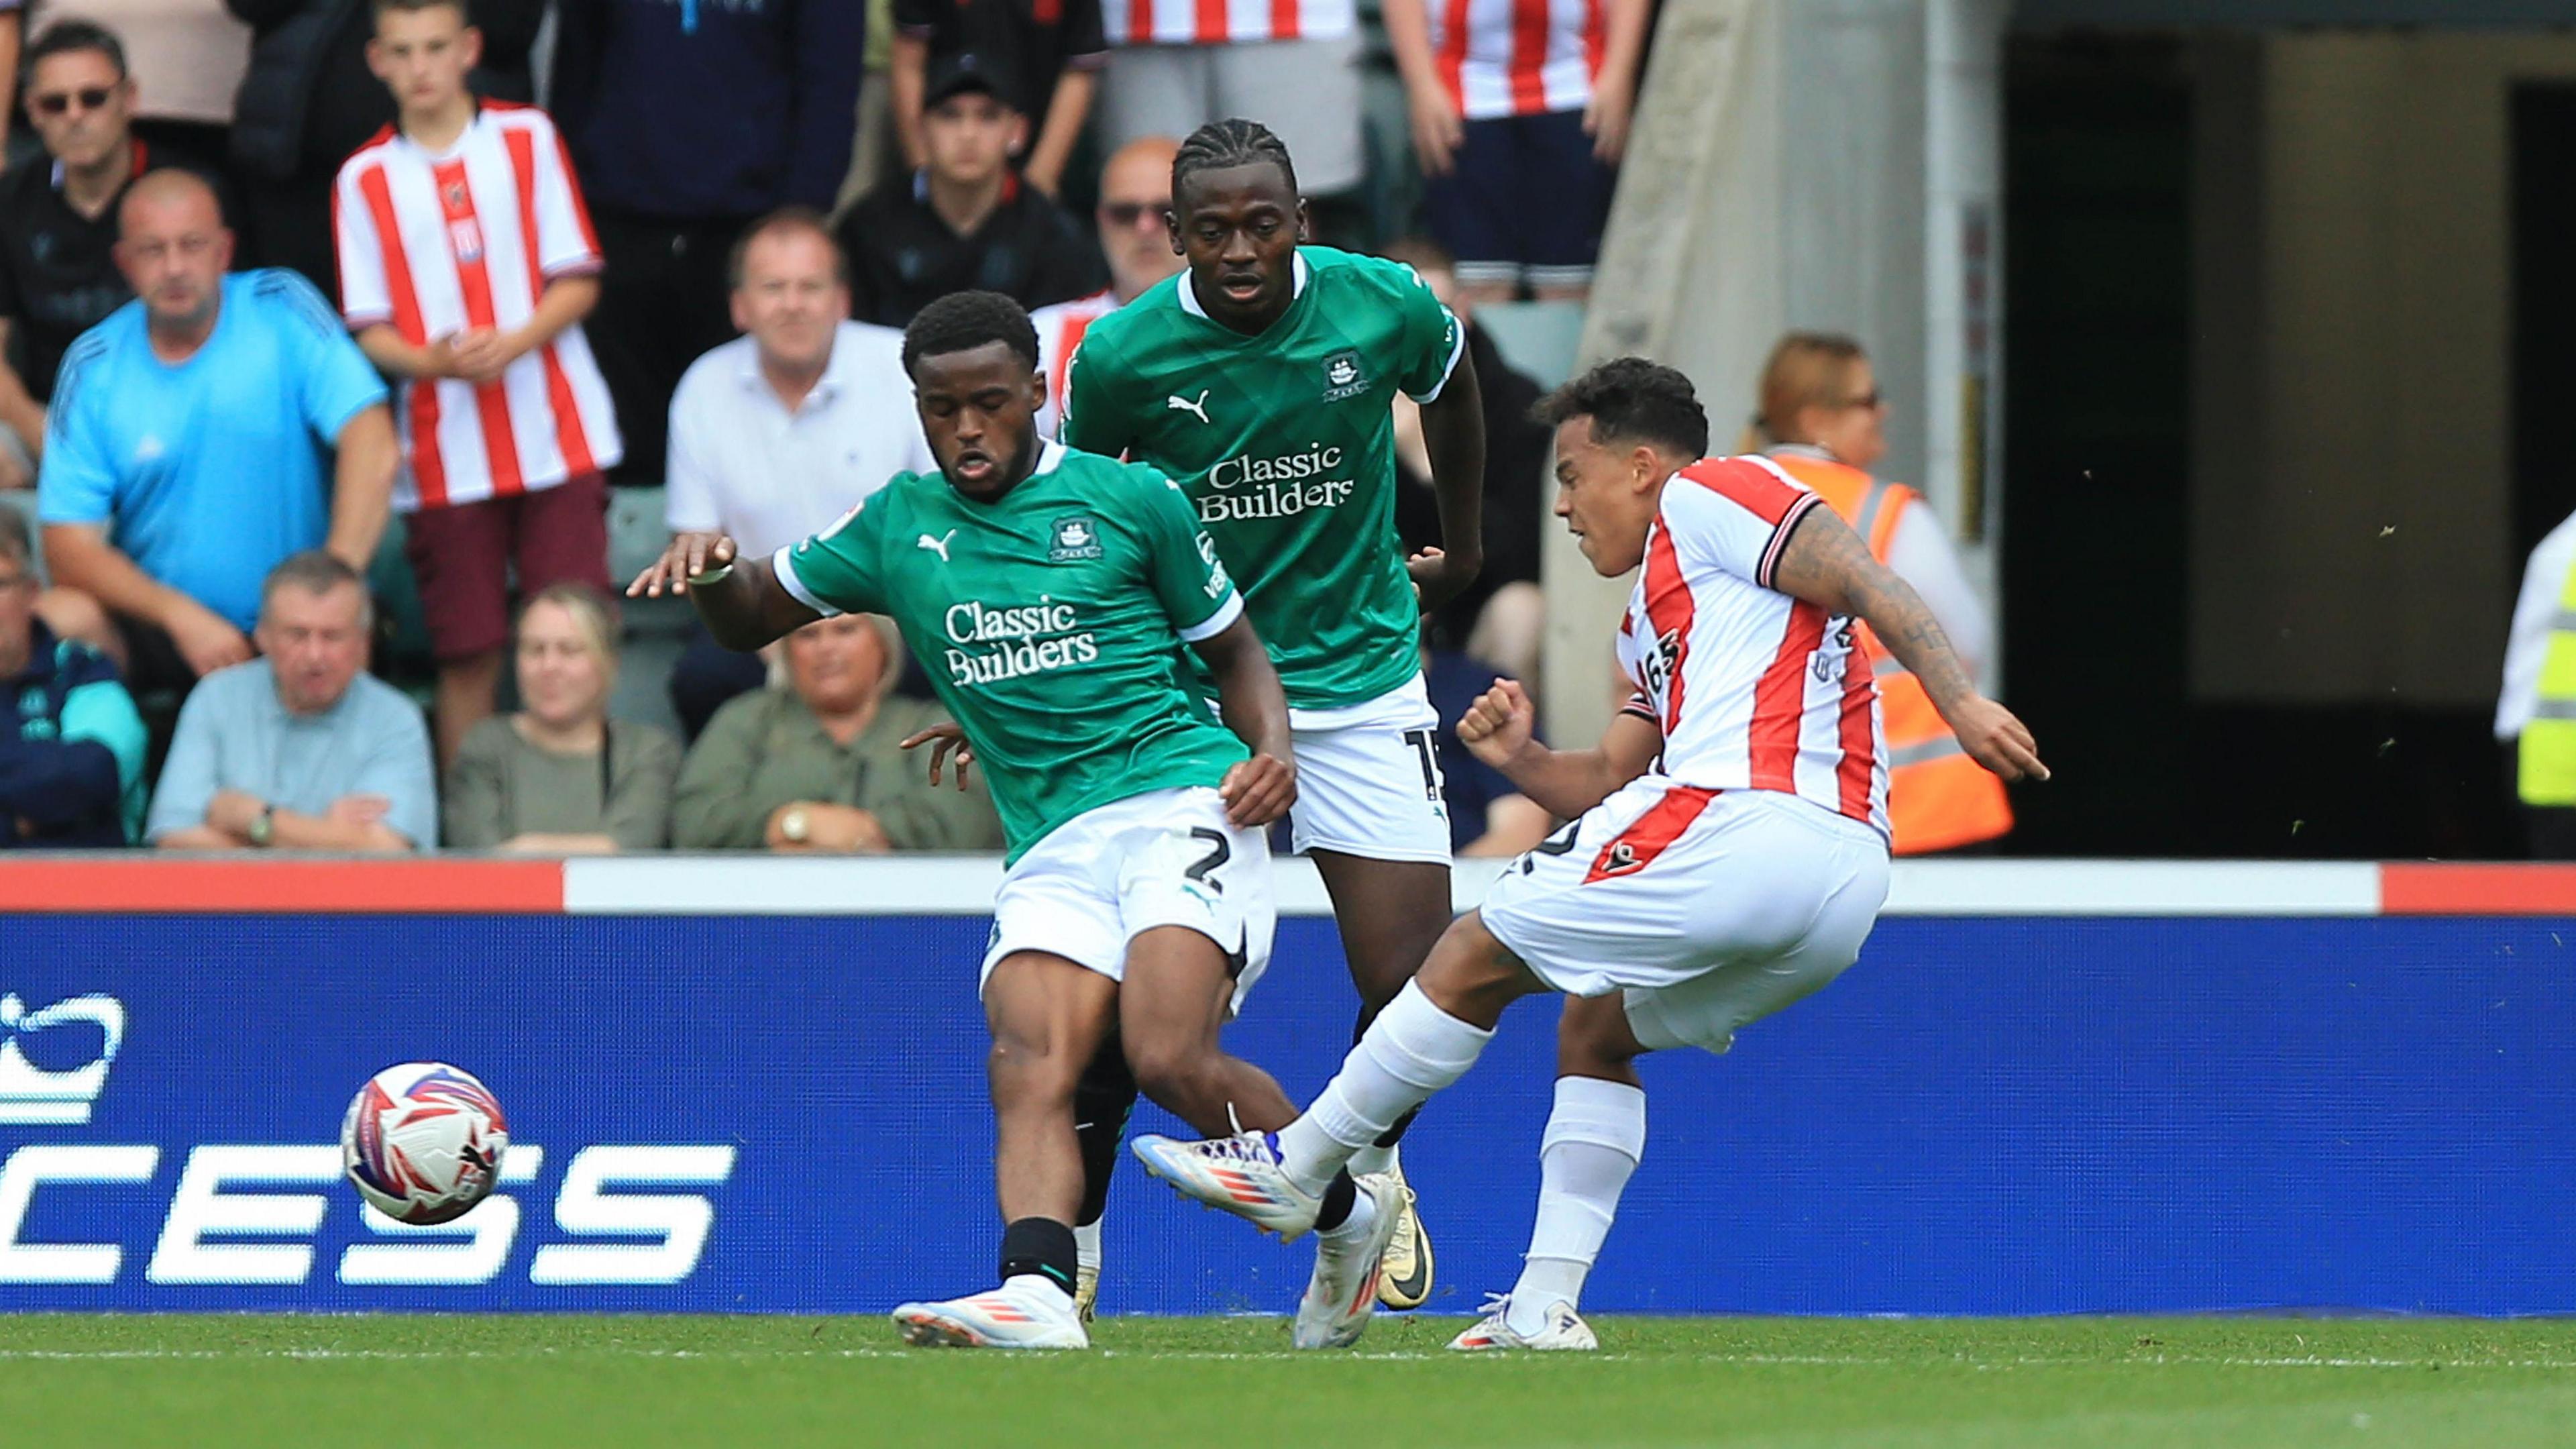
(1050, 594)
(1262, 379)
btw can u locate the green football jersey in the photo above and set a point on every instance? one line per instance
(1049, 622)
(1286, 444)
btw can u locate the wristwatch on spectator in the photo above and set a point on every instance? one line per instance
(263, 827)
(793, 825)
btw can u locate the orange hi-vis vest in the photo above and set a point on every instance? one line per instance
(1937, 797)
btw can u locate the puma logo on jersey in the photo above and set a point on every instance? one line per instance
(939, 545)
(1184, 405)
(1619, 859)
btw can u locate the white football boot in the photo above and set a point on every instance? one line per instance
(1565, 1330)
(1343, 1291)
(1025, 1312)
(1240, 1174)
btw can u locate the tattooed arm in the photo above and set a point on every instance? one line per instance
(1826, 565)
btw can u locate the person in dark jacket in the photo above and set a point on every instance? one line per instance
(966, 220)
(71, 743)
(688, 119)
(309, 100)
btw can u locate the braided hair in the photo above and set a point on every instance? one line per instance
(964, 321)
(1219, 145)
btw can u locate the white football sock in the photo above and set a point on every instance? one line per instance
(1356, 1226)
(1086, 1245)
(1595, 1137)
(1372, 1158)
(1411, 1051)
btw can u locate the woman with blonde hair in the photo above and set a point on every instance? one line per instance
(1821, 418)
(560, 777)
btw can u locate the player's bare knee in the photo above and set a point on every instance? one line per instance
(1593, 1039)
(1024, 1075)
(1473, 976)
(1175, 1072)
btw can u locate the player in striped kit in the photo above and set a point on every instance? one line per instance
(466, 265)
(1728, 854)
(1520, 115)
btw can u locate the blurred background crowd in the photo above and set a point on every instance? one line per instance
(356, 349)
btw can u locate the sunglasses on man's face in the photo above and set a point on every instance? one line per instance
(91, 98)
(1128, 213)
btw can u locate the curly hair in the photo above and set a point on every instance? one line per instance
(1634, 401)
(963, 321)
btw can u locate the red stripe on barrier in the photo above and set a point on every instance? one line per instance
(2477, 890)
(273, 885)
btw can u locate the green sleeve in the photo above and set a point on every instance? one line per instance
(839, 571)
(639, 804)
(917, 815)
(1092, 422)
(1180, 559)
(1431, 338)
(476, 789)
(712, 807)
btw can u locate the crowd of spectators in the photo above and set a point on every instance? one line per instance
(285, 281)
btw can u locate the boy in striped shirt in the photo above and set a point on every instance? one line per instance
(467, 262)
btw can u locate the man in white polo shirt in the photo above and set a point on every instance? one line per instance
(780, 431)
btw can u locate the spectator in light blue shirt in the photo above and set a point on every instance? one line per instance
(71, 745)
(300, 749)
(186, 441)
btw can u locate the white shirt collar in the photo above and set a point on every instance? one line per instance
(1190, 292)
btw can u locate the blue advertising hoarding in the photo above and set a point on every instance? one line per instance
(787, 1114)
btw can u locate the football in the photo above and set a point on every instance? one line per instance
(422, 1143)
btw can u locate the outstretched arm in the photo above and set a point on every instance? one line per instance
(1498, 729)
(1826, 565)
(1255, 707)
(741, 599)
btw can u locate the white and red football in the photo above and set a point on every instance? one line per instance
(423, 1142)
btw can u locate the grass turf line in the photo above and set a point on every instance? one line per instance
(1997, 1384)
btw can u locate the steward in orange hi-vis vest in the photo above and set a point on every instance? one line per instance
(1937, 798)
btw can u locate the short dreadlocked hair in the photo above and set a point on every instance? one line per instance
(1631, 400)
(964, 321)
(1231, 142)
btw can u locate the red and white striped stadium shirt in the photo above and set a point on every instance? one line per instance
(1060, 328)
(1518, 57)
(1754, 690)
(437, 244)
(1223, 22)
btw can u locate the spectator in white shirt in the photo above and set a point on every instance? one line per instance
(780, 431)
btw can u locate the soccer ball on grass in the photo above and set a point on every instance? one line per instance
(423, 1142)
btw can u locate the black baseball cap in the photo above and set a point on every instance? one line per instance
(968, 71)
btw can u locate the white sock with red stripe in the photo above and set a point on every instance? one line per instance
(1595, 1137)
(1411, 1051)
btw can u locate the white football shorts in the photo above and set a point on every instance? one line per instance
(1708, 909)
(1368, 779)
(1163, 858)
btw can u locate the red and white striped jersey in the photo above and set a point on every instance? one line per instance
(1060, 328)
(1754, 689)
(1224, 22)
(1518, 57)
(437, 244)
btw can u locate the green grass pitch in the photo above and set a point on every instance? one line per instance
(469, 1381)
